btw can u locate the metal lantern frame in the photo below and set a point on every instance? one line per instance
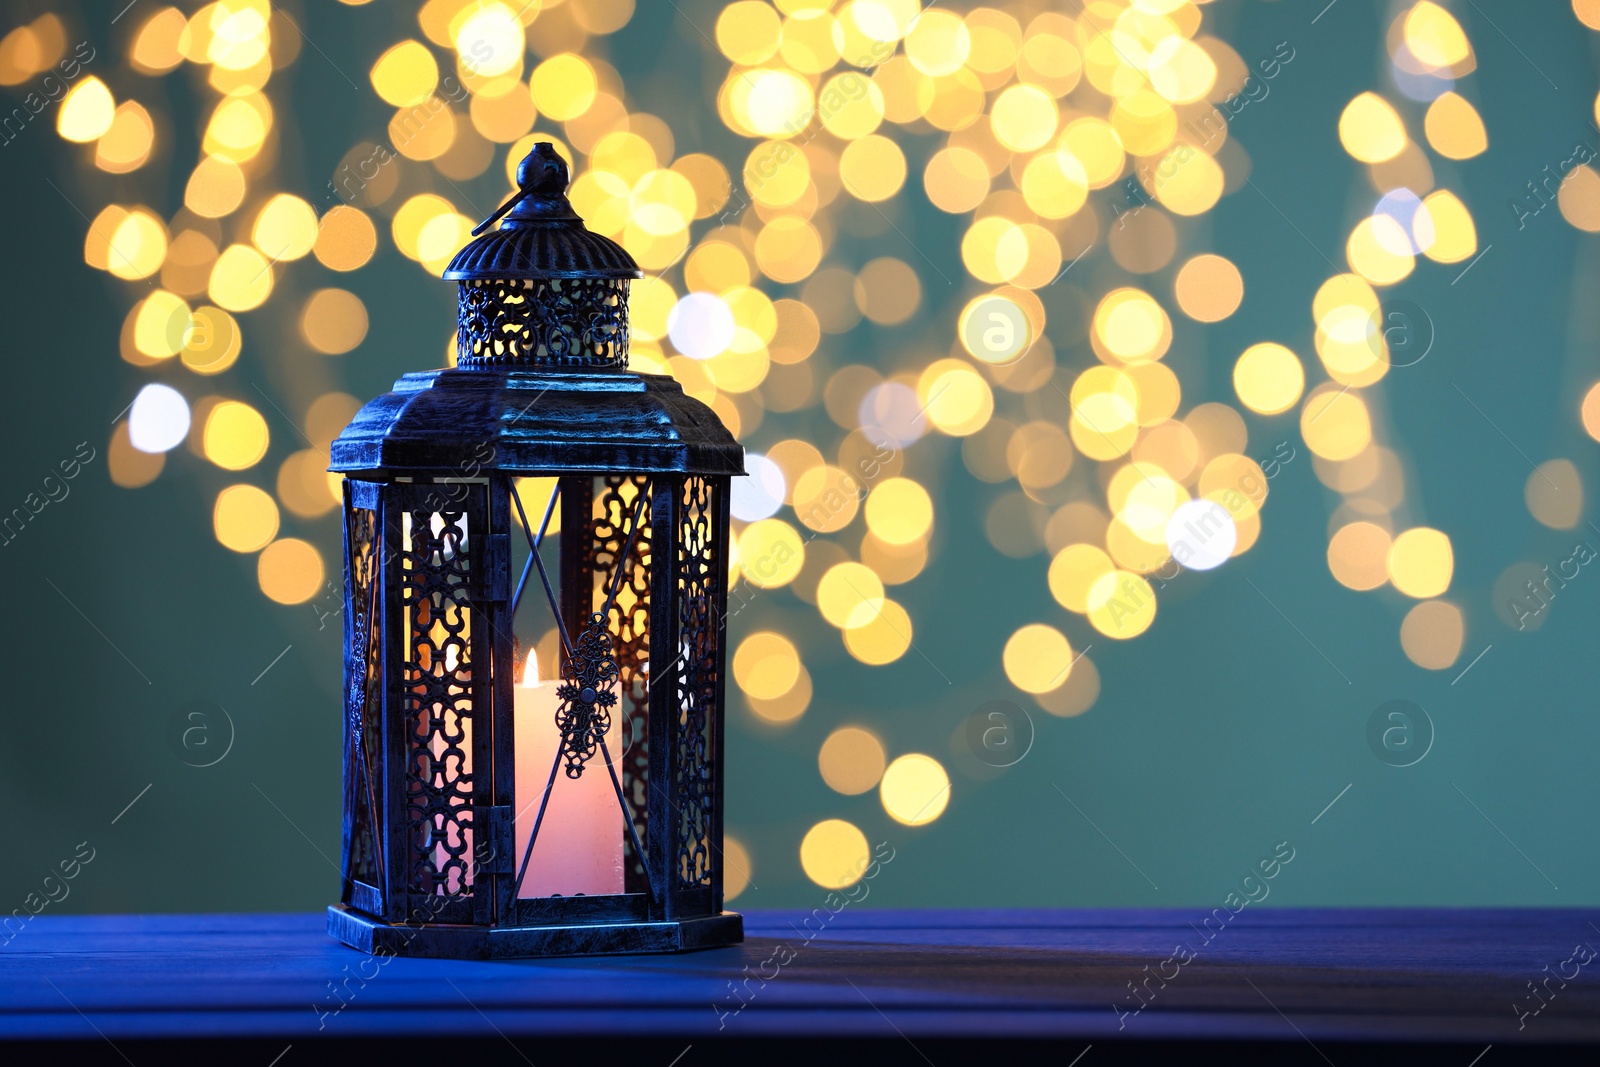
(433, 526)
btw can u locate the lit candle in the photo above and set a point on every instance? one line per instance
(579, 849)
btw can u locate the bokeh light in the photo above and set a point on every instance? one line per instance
(915, 789)
(834, 854)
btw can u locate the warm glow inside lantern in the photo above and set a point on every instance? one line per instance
(490, 811)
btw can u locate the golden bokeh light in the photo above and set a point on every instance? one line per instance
(563, 86)
(1208, 288)
(1378, 250)
(1132, 326)
(1421, 562)
(86, 112)
(851, 760)
(1054, 184)
(957, 400)
(786, 708)
(126, 145)
(304, 485)
(241, 279)
(216, 188)
(1435, 39)
(290, 571)
(915, 789)
(213, 341)
(1454, 128)
(406, 74)
(1335, 423)
(1121, 604)
(334, 321)
(849, 595)
(880, 634)
(245, 518)
(1268, 378)
(285, 228)
(770, 553)
(131, 467)
(766, 665)
(736, 867)
(490, 38)
(1097, 148)
(1076, 695)
(1554, 494)
(1024, 118)
(749, 32)
(834, 854)
(956, 180)
(1579, 199)
(1431, 634)
(1187, 181)
(1358, 556)
(235, 436)
(1037, 658)
(938, 44)
(1073, 573)
(1370, 129)
(872, 168)
(1589, 411)
(155, 49)
(1237, 482)
(899, 511)
(346, 239)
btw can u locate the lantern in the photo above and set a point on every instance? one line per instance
(489, 812)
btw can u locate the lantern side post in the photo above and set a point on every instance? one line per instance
(396, 896)
(497, 856)
(490, 584)
(352, 739)
(719, 717)
(666, 513)
(696, 696)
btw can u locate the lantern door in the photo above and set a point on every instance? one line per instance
(623, 824)
(427, 586)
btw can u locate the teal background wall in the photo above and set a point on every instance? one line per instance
(1219, 733)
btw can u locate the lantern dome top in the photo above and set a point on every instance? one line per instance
(539, 236)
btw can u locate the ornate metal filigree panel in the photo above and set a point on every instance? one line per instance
(587, 695)
(436, 561)
(561, 322)
(697, 681)
(616, 501)
(363, 696)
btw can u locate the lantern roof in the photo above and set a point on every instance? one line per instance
(459, 422)
(539, 235)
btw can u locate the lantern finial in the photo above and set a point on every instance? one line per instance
(542, 171)
(541, 191)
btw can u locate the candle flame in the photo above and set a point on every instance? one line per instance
(530, 671)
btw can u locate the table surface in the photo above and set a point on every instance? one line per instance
(1271, 974)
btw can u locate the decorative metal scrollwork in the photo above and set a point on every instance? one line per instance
(694, 761)
(363, 696)
(560, 322)
(587, 694)
(435, 591)
(607, 539)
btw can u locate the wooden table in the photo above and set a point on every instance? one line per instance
(1273, 985)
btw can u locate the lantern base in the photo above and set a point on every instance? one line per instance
(446, 941)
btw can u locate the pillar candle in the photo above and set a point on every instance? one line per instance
(579, 849)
